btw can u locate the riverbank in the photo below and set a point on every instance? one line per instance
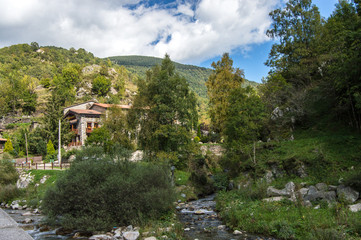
(10, 230)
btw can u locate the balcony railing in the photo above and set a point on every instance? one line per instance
(74, 144)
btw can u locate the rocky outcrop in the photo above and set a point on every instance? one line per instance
(319, 192)
(24, 179)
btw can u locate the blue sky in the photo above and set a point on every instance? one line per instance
(252, 62)
(194, 32)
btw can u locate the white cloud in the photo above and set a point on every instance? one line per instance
(107, 28)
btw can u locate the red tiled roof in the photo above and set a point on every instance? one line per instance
(83, 111)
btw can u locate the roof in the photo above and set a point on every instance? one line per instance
(91, 101)
(104, 105)
(85, 112)
(3, 139)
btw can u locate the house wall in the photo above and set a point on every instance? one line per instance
(83, 125)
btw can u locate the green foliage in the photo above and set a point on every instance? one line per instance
(197, 139)
(165, 109)
(100, 137)
(284, 220)
(97, 193)
(101, 85)
(8, 192)
(8, 146)
(8, 174)
(221, 82)
(50, 151)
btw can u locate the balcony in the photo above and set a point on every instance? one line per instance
(74, 144)
(89, 130)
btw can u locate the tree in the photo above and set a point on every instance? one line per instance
(8, 146)
(221, 82)
(165, 110)
(244, 121)
(50, 150)
(101, 85)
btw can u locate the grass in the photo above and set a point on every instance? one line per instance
(33, 194)
(286, 220)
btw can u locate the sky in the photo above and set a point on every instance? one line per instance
(194, 32)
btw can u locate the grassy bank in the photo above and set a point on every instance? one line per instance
(332, 156)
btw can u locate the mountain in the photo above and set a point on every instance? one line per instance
(196, 76)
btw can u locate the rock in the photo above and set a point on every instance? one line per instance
(129, 228)
(237, 232)
(221, 227)
(44, 228)
(136, 156)
(42, 181)
(27, 214)
(28, 220)
(332, 188)
(322, 187)
(36, 211)
(274, 192)
(307, 203)
(187, 229)
(317, 207)
(131, 235)
(150, 238)
(301, 171)
(24, 180)
(15, 206)
(347, 194)
(268, 177)
(100, 237)
(330, 196)
(313, 194)
(355, 207)
(273, 199)
(63, 231)
(302, 192)
(183, 195)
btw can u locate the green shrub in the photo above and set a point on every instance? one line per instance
(197, 139)
(98, 193)
(354, 181)
(8, 174)
(8, 192)
(327, 234)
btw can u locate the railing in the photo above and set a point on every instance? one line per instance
(76, 131)
(89, 130)
(44, 166)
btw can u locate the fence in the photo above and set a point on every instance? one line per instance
(44, 166)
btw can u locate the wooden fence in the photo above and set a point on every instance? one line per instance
(37, 163)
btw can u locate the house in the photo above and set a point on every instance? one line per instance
(85, 117)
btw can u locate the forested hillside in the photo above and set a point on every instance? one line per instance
(195, 76)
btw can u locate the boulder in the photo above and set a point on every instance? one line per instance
(302, 192)
(347, 194)
(330, 196)
(268, 177)
(322, 187)
(355, 207)
(274, 192)
(237, 232)
(273, 199)
(313, 194)
(150, 238)
(101, 237)
(131, 235)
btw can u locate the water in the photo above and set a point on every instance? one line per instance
(34, 228)
(202, 222)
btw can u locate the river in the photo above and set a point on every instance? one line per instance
(199, 217)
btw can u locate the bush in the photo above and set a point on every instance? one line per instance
(8, 192)
(354, 181)
(8, 174)
(97, 193)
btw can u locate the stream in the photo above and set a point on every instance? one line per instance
(201, 222)
(198, 217)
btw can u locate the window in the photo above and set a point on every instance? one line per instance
(96, 125)
(89, 126)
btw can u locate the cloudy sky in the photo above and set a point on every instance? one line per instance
(190, 31)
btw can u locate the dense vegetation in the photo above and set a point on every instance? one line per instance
(98, 193)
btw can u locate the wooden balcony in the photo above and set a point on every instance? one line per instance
(89, 130)
(74, 144)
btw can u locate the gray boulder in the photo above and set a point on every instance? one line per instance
(322, 187)
(355, 207)
(330, 196)
(347, 194)
(101, 237)
(274, 192)
(132, 235)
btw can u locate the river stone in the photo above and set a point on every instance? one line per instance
(303, 192)
(63, 231)
(132, 235)
(27, 214)
(150, 238)
(100, 237)
(347, 194)
(187, 229)
(355, 207)
(322, 187)
(237, 232)
(28, 220)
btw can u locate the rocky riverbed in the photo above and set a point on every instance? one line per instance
(201, 222)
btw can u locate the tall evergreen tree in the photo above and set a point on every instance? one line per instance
(221, 82)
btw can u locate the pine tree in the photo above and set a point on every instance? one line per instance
(8, 146)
